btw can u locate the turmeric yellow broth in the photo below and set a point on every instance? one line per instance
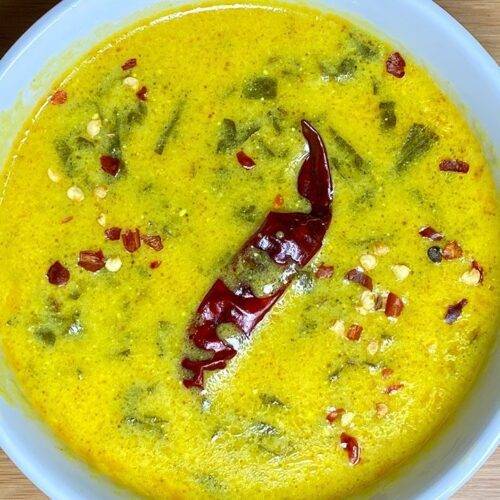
(165, 150)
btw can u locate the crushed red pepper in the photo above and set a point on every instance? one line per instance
(394, 306)
(324, 271)
(59, 97)
(92, 261)
(395, 65)
(393, 388)
(153, 241)
(278, 201)
(455, 311)
(332, 415)
(244, 160)
(351, 446)
(131, 63)
(354, 332)
(142, 93)
(430, 233)
(357, 276)
(300, 237)
(57, 274)
(452, 250)
(110, 165)
(113, 233)
(458, 166)
(131, 240)
(475, 265)
(155, 264)
(387, 372)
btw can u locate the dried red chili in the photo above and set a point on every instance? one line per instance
(142, 93)
(452, 250)
(354, 332)
(459, 166)
(131, 63)
(387, 372)
(287, 238)
(153, 241)
(110, 165)
(430, 233)
(331, 416)
(455, 311)
(131, 240)
(91, 261)
(393, 388)
(155, 264)
(350, 444)
(113, 233)
(244, 160)
(357, 276)
(395, 65)
(394, 306)
(59, 97)
(324, 271)
(57, 274)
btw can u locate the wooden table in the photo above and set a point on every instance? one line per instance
(481, 17)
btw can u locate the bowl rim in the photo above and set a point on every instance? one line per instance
(489, 439)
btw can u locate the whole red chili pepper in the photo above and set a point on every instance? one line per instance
(290, 239)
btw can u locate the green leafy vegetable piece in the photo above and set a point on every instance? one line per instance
(418, 142)
(262, 87)
(270, 400)
(227, 136)
(247, 213)
(388, 118)
(346, 156)
(46, 335)
(169, 128)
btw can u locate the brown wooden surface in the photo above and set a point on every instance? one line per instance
(482, 19)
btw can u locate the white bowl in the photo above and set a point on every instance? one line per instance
(455, 59)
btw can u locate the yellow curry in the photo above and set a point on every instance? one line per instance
(133, 190)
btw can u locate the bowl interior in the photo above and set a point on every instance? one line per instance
(417, 26)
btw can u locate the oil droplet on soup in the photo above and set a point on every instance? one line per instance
(139, 182)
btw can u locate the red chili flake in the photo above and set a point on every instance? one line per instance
(57, 274)
(357, 276)
(350, 444)
(59, 97)
(153, 241)
(478, 267)
(155, 264)
(387, 372)
(110, 165)
(395, 65)
(113, 233)
(455, 311)
(430, 233)
(91, 261)
(131, 240)
(278, 201)
(458, 166)
(324, 271)
(393, 388)
(244, 160)
(331, 416)
(394, 306)
(142, 93)
(354, 332)
(67, 219)
(452, 250)
(131, 63)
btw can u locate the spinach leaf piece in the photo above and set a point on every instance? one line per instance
(169, 128)
(262, 87)
(418, 142)
(388, 118)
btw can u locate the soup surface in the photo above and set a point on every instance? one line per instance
(180, 136)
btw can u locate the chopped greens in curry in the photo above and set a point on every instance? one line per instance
(247, 264)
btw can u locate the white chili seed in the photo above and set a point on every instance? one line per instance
(132, 82)
(101, 192)
(53, 175)
(338, 327)
(382, 410)
(368, 262)
(401, 271)
(102, 219)
(346, 419)
(113, 264)
(372, 347)
(368, 300)
(75, 194)
(94, 127)
(471, 278)
(381, 249)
